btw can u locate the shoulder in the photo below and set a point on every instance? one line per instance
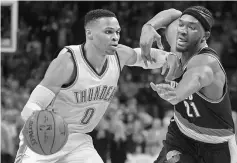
(123, 50)
(125, 53)
(60, 69)
(65, 59)
(205, 59)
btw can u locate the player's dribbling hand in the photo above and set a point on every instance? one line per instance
(166, 92)
(148, 36)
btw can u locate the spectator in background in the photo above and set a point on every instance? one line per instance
(233, 48)
(101, 136)
(9, 131)
(23, 34)
(34, 48)
(118, 139)
(233, 91)
(215, 40)
(7, 145)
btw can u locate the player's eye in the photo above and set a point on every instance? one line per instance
(192, 27)
(181, 24)
(118, 32)
(108, 32)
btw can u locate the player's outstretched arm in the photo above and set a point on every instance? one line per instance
(59, 72)
(164, 18)
(149, 34)
(132, 57)
(202, 71)
(161, 59)
(193, 80)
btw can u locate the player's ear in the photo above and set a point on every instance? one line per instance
(207, 35)
(89, 34)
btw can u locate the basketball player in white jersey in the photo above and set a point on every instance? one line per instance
(80, 83)
(202, 129)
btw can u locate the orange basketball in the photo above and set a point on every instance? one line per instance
(45, 132)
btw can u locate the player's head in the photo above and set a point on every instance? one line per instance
(194, 28)
(102, 30)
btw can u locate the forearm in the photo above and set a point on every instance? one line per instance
(158, 55)
(39, 99)
(187, 87)
(164, 18)
(193, 80)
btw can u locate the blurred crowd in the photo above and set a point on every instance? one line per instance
(137, 119)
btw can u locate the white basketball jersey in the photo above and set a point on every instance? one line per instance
(84, 102)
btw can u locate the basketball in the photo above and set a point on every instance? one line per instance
(45, 132)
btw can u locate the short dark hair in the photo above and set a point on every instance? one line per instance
(96, 14)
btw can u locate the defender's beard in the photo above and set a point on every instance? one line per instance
(189, 48)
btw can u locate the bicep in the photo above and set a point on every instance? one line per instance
(126, 55)
(202, 74)
(209, 68)
(58, 73)
(133, 56)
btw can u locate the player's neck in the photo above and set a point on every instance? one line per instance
(95, 57)
(187, 55)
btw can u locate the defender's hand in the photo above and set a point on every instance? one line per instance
(166, 92)
(148, 36)
(173, 66)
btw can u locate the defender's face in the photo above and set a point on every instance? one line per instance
(106, 34)
(189, 33)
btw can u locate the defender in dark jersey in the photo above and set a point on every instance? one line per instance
(202, 129)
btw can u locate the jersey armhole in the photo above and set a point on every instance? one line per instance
(214, 101)
(75, 73)
(224, 88)
(118, 61)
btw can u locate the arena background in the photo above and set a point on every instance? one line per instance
(136, 121)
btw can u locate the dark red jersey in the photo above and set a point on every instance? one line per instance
(204, 119)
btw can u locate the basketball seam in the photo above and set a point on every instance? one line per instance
(53, 134)
(38, 133)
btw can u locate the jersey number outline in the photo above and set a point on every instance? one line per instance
(87, 116)
(194, 108)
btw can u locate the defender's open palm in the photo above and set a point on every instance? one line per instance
(173, 66)
(165, 91)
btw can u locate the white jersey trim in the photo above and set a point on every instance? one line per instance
(77, 69)
(118, 62)
(200, 137)
(89, 67)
